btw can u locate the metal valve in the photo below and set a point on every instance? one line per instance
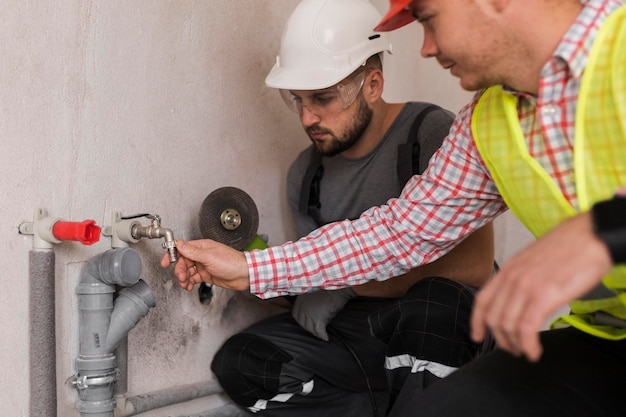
(127, 229)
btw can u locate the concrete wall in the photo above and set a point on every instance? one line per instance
(148, 106)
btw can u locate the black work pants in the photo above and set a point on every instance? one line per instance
(276, 368)
(578, 375)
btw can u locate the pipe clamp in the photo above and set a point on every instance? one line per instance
(87, 381)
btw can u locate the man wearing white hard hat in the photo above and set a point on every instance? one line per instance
(321, 359)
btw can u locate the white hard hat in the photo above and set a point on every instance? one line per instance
(324, 41)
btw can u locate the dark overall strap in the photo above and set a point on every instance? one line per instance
(310, 189)
(409, 152)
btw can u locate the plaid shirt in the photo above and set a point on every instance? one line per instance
(455, 196)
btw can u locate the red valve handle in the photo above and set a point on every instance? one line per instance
(86, 232)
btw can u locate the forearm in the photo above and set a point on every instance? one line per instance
(394, 287)
(470, 263)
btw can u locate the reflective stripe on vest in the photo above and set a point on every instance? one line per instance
(599, 162)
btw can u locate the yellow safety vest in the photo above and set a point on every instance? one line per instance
(599, 165)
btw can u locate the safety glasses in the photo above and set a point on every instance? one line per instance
(328, 101)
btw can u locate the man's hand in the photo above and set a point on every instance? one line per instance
(561, 266)
(313, 311)
(209, 261)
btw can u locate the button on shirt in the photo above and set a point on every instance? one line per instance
(455, 196)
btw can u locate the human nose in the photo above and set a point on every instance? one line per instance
(429, 45)
(307, 117)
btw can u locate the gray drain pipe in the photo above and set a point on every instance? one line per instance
(105, 323)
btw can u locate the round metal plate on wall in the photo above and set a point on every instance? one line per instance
(229, 215)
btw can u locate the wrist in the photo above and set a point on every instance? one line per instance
(609, 225)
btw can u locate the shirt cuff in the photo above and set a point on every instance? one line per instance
(268, 272)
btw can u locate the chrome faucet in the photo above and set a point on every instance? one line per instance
(154, 231)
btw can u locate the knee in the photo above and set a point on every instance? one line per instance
(245, 351)
(441, 291)
(437, 303)
(226, 359)
(248, 364)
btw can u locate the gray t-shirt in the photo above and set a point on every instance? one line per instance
(350, 186)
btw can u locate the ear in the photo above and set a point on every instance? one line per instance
(373, 85)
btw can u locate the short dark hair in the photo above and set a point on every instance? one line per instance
(375, 61)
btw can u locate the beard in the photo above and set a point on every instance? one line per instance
(351, 135)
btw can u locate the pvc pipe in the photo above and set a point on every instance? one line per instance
(121, 234)
(131, 305)
(114, 267)
(104, 324)
(42, 310)
(49, 230)
(131, 406)
(42, 349)
(228, 410)
(121, 357)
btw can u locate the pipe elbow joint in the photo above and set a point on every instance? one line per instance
(120, 266)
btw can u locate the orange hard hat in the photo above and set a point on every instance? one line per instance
(397, 16)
